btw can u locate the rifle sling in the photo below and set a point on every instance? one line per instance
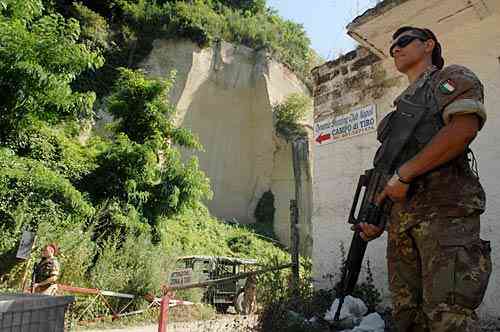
(403, 124)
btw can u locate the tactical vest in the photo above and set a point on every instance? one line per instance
(422, 102)
(44, 269)
(452, 189)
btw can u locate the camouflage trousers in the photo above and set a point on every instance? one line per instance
(250, 300)
(438, 273)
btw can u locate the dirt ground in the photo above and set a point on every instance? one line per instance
(226, 323)
(236, 323)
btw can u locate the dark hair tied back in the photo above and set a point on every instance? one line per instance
(437, 57)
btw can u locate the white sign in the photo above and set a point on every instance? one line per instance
(356, 122)
(27, 241)
(180, 277)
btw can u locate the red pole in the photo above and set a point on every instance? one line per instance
(163, 320)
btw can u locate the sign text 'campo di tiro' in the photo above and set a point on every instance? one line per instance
(356, 122)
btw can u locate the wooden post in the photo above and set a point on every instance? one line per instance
(24, 281)
(164, 308)
(294, 233)
(300, 151)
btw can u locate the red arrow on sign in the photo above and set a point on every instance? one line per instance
(323, 137)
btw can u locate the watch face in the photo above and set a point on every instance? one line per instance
(394, 180)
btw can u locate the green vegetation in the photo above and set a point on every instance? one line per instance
(285, 311)
(289, 113)
(264, 211)
(119, 201)
(125, 29)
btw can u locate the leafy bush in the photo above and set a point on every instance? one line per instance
(39, 124)
(252, 6)
(95, 32)
(40, 57)
(141, 170)
(32, 195)
(289, 113)
(257, 28)
(123, 263)
(55, 146)
(196, 21)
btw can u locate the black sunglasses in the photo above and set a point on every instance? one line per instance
(403, 42)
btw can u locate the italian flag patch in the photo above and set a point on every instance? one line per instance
(447, 87)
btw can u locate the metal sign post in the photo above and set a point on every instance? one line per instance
(164, 310)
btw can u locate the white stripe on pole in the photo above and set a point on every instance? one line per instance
(109, 293)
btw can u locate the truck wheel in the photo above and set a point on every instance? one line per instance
(221, 308)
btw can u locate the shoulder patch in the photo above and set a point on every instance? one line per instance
(447, 87)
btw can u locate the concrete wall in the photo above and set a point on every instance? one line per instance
(225, 94)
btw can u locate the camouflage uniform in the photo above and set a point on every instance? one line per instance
(46, 268)
(438, 266)
(250, 295)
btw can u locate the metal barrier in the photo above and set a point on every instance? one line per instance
(120, 312)
(99, 295)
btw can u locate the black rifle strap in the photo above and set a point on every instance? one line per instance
(403, 125)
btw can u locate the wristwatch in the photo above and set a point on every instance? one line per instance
(400, 178)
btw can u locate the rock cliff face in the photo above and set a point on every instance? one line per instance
(225, 94)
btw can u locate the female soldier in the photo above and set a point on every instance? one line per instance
(438, 266)
(46, 271)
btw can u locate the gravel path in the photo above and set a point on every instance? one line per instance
(233, 323)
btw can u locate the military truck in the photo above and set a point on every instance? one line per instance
(194, 269)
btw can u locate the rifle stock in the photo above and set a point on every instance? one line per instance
(373, 181)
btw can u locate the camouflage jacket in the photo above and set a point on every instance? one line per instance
(46, 268)
(453, 189)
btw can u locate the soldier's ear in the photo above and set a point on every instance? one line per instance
(429, 45)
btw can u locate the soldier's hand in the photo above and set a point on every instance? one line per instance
(368, 232)
(395, 190)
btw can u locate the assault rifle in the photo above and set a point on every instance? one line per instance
(373, 181)
(394, 132)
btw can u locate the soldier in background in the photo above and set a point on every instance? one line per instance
(438, 266)
(46, 271)
(250, 295)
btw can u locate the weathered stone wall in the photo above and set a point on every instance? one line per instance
(343, 84)
(225, 94)
(352, 80)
